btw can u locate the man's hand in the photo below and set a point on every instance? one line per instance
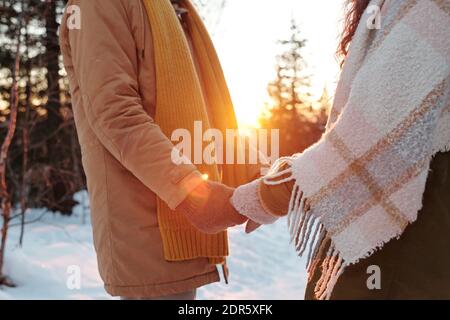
(208, 208)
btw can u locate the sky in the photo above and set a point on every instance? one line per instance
(246, 40)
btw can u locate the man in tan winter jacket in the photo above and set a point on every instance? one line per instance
(127, 159)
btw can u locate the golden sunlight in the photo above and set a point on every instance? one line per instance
(247, 45)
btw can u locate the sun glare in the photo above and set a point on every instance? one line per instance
(247, 46)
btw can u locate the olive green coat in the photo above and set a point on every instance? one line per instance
(416, 266)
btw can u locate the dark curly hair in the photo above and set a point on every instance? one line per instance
(354, 9)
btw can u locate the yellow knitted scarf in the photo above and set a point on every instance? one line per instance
(180, 102)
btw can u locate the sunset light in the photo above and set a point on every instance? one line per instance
(246, 40)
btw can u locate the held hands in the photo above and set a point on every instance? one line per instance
(213, 207)
(208, 208)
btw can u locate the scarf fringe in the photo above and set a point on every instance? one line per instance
(308, 234)
(317, 251)
(445, 148)
(310, 237)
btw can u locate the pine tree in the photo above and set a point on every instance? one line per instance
(292, 110)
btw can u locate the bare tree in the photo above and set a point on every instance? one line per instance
(24, 188)
(4, 192)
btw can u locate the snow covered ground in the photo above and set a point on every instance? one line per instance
(263, 265)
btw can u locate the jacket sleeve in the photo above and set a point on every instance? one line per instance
(104, 59)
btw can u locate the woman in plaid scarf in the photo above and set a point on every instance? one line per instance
(369, 203)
